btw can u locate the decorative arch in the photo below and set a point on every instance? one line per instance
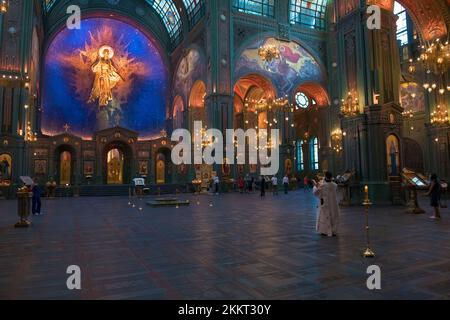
(245, 83)
(198, 94)
(430, 17)
(295, 63)
(314, 91)
(191, 67)
(143, 68)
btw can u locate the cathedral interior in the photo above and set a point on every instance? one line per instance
(91, 92)
(346, 98)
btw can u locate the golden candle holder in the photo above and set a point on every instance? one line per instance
(23, 207)
(368, 253)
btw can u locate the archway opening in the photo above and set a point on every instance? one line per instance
(248, 91)
(65, 158)
(117, 163)
(163, 166)
(197, 97)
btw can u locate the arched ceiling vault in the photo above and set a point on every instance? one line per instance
(431, 17)
(172, 13)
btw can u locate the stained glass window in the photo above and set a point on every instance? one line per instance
(170, 16)
(264, 8)
(314, 154)
(310, 13)
(48, 4)
(195, 11)
(301, 100)
(402, 23)
(300, 156)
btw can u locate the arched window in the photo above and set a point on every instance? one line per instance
(402, 23)
(301, 100)
(264, 8)
(314, 154)
(170, 16)
(300, 156)
(310, 13)
(48, 4)
(165, 9)
(195, 11)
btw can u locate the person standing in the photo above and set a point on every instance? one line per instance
(328, 217)
(286, 184)
(241, 185)
(263, 187)
(247, 183)
(306, 184)
(275, 185)
(216, 185)
(36, 200)
(435, 196)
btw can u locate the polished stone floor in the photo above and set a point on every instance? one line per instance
(227, 247)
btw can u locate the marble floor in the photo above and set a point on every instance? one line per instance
(227, 247)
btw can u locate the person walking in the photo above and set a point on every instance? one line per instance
(286, 184)
(275, 185)
(36, 200)
(328, 216)
(435, 196)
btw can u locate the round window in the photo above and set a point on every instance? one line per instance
(302, 100)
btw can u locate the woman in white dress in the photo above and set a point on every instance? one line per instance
(328, 216)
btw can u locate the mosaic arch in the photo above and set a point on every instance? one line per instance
(131, 94)
(191, 68)
(295, 65)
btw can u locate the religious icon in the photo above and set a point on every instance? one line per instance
(40, 167)
(88, 168)
(106, 77)
(143, 168)
(393, 155)
(66, 168)
(5, 167)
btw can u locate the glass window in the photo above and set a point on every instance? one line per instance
(170, 16)
(165, 9)
(314, 154)
(264, 8)
(300, 156)
(310, 13)
(402, 23)
(195, 11)
(301, 100)
(48, 4)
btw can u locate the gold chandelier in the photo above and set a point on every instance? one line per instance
(350, 106)
(268, 53)
(435, 58)
(269, 104)
(4, 6)
(336, 141)
(439, 117)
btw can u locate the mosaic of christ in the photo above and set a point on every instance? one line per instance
(106, 74)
